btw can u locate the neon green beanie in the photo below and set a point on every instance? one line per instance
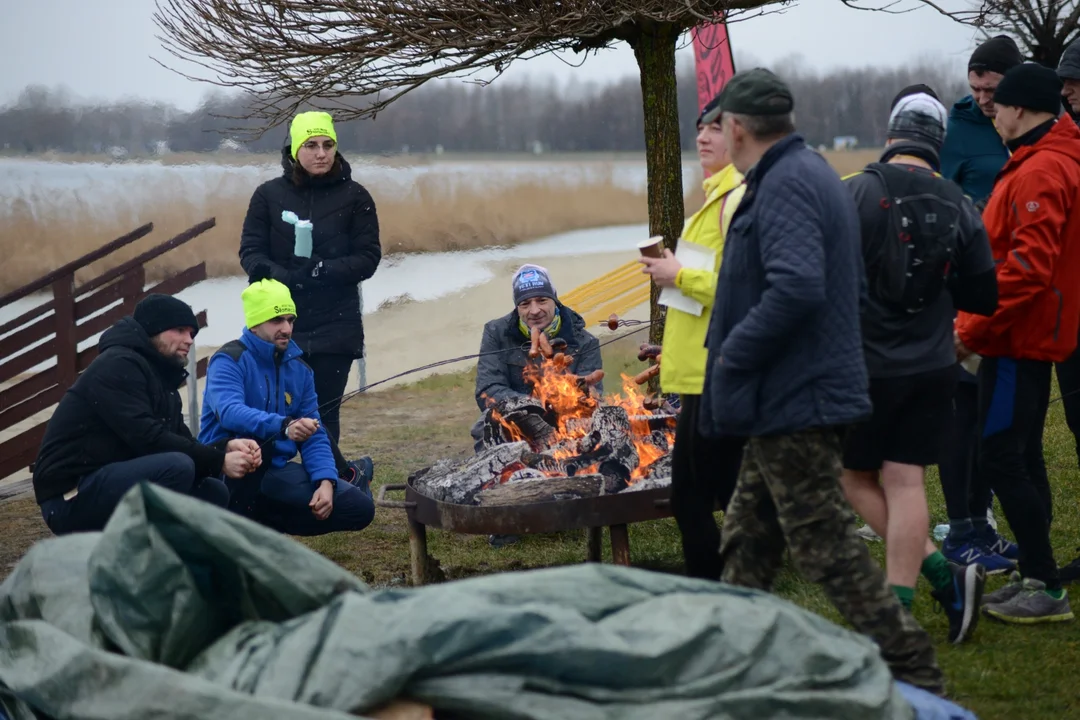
(265, 300)
(307, 125)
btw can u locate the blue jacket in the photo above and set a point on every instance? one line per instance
(250, 391)
(785, 344)
(973, 153)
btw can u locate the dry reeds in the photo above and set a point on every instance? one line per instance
(434, 214)
(40, 230)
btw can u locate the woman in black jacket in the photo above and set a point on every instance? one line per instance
(317, 186)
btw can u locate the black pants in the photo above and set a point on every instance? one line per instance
(279, 500)
(703, 476)
(100, 491)
(331, 376)
(966, 495)
(1068, 375)
(1013, 398)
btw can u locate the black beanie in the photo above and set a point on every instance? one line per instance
(1032, 87)
(158, 313)
(998, 54)
(710, 106)
(917, 89)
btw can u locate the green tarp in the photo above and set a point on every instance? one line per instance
(182, 611)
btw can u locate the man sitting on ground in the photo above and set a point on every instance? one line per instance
(924, 257)
(504, 350)
(258, 387)
(121, 423)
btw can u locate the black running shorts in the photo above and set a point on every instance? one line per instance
(910, 421)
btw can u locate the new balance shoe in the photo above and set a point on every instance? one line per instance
(1031, 605)
(360, 473)
(999, 545)
(960, 600)
(972, 551)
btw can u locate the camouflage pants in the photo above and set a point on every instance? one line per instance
(789, 495)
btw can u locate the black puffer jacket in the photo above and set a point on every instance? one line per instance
(126, 405)
(345, 239)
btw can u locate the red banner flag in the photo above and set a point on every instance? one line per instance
(712, 59)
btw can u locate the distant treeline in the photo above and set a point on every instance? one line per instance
(460, 117)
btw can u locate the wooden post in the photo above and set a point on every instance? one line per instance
(620, 545)
(193, 390)
(67, 348)
(418, 552)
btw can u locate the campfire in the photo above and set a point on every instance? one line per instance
(563, 441)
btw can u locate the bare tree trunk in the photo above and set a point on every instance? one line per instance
(654, 49)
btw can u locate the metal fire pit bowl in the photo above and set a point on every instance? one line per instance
(614, 512)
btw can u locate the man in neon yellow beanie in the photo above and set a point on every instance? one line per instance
(257, 387)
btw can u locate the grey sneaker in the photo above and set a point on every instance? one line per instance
(867, 533)
(1032, 605)
(1006, 592)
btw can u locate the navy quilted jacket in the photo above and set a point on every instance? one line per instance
(785, 346)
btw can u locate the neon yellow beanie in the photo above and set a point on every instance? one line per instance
(307, 125)
(265, 300)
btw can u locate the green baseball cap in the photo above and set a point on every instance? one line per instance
(753, 92)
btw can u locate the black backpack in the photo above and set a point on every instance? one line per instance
(910, 266)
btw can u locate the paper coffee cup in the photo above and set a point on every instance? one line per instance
(653, 247)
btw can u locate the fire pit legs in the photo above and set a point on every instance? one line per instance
(620, 545)
(418, 554)
(594, 539)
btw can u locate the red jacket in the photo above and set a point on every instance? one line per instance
(1033, 220)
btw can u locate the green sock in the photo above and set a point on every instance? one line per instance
(936, 569)
(906, 595)
(1056, 594)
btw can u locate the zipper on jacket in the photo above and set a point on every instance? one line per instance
(268, 393)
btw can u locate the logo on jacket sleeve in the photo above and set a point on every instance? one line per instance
(1032, 206)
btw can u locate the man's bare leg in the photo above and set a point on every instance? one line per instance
(870, 501)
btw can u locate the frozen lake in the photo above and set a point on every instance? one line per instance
(42, 185)
(421, 277)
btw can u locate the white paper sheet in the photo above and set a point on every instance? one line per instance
(694, 256)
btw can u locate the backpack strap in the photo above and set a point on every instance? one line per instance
(234, 349)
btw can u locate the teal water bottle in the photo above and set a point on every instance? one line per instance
(302, 233)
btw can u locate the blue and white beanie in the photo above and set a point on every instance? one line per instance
(532, 281)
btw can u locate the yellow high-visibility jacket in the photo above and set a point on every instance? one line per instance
(682, 368)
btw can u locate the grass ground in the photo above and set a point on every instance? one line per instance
(1004, 673)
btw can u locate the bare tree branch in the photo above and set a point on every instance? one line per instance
(292, 53)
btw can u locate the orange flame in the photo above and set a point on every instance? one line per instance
(572, 404)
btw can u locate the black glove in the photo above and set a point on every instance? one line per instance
(306, 273)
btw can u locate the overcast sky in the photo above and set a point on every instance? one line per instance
(103, 49)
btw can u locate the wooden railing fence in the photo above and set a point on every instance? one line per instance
(53, 329)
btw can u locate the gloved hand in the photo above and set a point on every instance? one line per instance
(305, 272)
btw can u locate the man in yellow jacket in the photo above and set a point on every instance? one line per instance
(704, 470)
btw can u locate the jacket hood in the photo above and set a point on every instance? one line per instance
(1063, 138)
(965, 110)
(127, 333)
(724, 181)
(288, 163)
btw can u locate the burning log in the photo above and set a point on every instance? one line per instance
(460, 483)
(608, 444)
(524, 413)
(545, 489)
